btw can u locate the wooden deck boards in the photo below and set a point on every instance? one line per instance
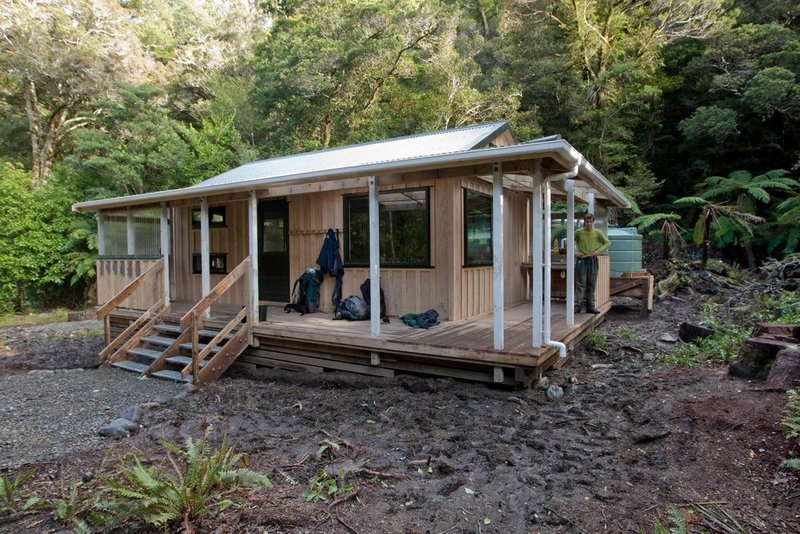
(463, 349)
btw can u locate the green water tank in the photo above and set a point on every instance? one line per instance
(626, 250)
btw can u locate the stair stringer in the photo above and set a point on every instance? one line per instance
(220, 362)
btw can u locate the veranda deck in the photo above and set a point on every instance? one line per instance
(460, 349)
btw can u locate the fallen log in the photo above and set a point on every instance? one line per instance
(688, 332)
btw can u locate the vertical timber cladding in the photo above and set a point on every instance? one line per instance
(113, 275)
(475, 283)
(407, 290)
(230, 240)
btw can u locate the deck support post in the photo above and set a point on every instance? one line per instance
(498, 300)
(374, 358)
(165, 249)
(205, 252)
(101, 234)
(536, 253)
(374, 260)
(252, 245)
(570, 252)
(131, 234)
(590, 209)
(498, 375)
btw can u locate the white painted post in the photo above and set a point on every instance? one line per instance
(547, 260)
(131, 234)
(374, 260)
(570, 252)
(497, 256)
(165, 249)
(252, 229)
(536, 253)
(101, 234)
(590, 209)
(205, 251)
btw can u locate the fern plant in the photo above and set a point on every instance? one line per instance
(11, 490)
(71, 509)
(198, 482)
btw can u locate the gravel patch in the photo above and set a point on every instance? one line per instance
(46, 414)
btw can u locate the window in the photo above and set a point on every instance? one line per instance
(219, 264)
(216, 217)
(404, 220)
(477, 229)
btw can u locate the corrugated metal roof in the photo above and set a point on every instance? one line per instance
(396, 149)
(437, 150)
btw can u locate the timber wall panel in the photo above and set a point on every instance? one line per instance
(231, 240)
(475, 283)
(310, 216)
(113, 275)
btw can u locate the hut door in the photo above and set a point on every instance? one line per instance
(273, 246)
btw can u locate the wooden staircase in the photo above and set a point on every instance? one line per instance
(183, 350)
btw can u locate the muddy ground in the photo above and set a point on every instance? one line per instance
(629, 439)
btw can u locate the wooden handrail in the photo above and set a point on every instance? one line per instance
(128, 290)
(219, 289)
(194, 317)
(130, 332)
(149, 315)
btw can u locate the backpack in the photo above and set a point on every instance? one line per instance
(353, 308)
(365, 293)
(305, 293)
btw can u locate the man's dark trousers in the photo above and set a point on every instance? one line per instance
(585, 281)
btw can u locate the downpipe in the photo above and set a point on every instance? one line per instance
(568, 175)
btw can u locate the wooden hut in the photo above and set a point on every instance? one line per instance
(192, 280)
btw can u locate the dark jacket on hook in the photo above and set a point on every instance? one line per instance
(330, 262)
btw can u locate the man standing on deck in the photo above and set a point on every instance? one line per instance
(589, 243)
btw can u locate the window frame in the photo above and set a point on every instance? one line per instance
(197, 263)
(212, 211)
(349, 262)
(465, 232)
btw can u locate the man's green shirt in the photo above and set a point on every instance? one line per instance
(591, 241)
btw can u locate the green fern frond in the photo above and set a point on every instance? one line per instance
(691, 201)
(792, 463)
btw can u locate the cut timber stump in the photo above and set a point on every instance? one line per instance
(785, 371)
(756, 356)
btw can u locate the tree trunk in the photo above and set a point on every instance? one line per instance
(751, 257)
(704, 248)
(44, 138)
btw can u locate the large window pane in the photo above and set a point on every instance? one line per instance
(404, 228)
(477, 228)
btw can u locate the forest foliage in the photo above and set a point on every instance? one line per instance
(690, 100)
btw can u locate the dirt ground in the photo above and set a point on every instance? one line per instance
(630, 439)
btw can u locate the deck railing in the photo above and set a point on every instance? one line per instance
(113, 345)
(193, 319)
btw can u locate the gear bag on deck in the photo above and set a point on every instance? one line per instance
(365, 293)
(305, 293)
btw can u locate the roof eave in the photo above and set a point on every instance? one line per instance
(557, 148)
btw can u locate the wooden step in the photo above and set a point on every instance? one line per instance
(184, 361)
(129, 365)
(176, 330)
(159, 340)
(172, 375)
(200, 347)
(150, 354)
